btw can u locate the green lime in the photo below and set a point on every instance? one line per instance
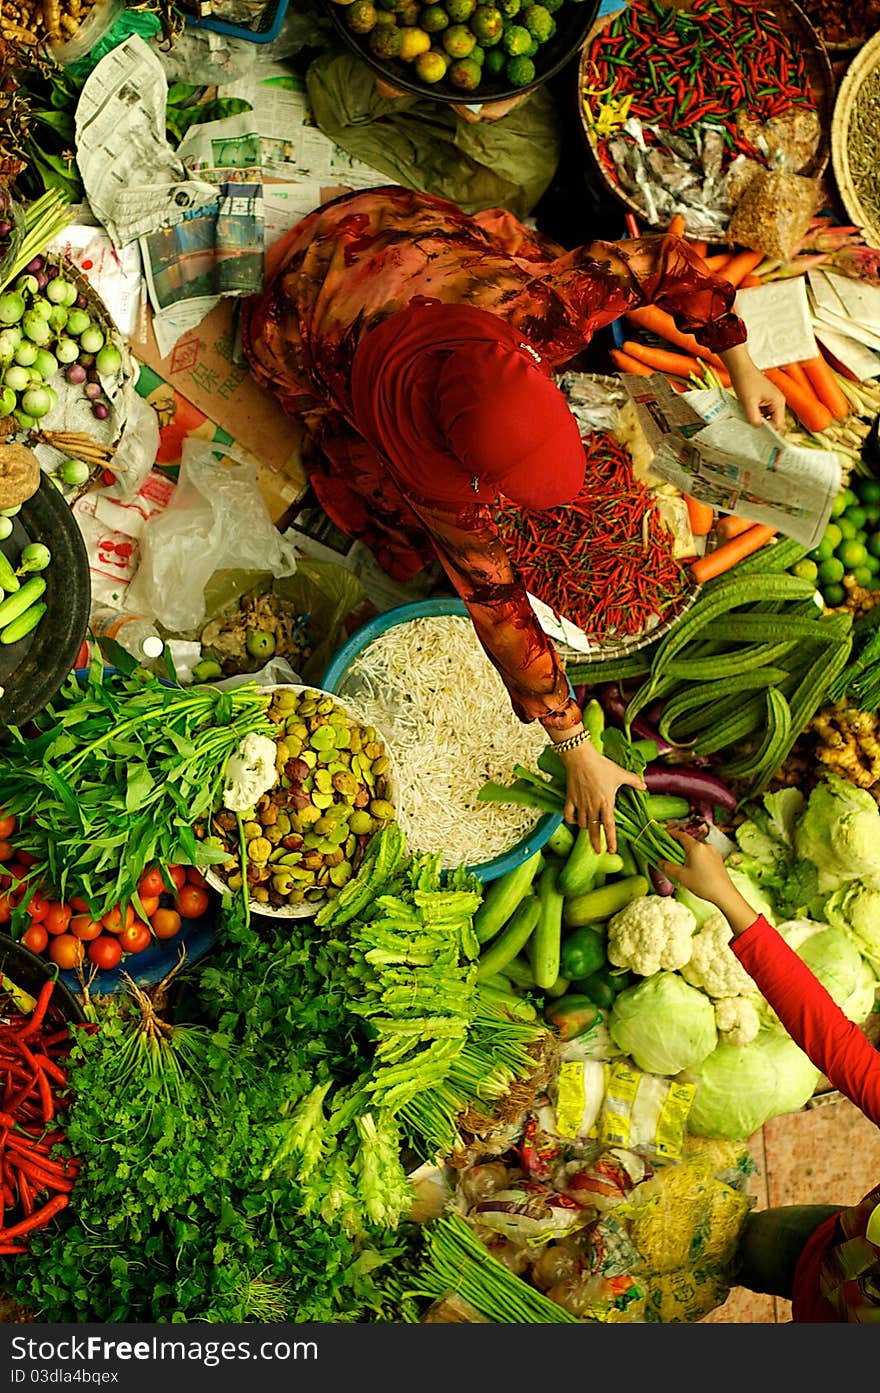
(845, 527)
(838, 506)
(833, 595)
(873, 563)
(465, 74)
(833, 534)
(385, 41)
(496, 58)
(488, 25)
(873, 544)
(864, 576)
(868, 490)
(824, 549)
(516, 40)
(872, 513)
(434, 19)
(431, 67)
(458, 41)
(806, 569)
(849, 496)
(831, 571)
(361, 18)
(852, 553)
(460, 10)
(857, 516)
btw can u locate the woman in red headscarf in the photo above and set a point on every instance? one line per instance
(418, 346)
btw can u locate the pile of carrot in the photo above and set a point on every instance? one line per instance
(34, 1184)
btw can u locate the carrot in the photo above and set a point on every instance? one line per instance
(700, 249)
(717, 262)
(676, 227)
(740, 265)
(810, 411)
(824, 384)
(679, 364)
(700, 516)
(731, 526)
(657, 321)
(795, 371)
(749, 282)
(624, 363)
(716, 562)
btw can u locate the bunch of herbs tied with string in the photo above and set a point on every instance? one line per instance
(114, 773)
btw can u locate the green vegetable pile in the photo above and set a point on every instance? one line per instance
(466, 43)
(851, 544)
(114, 774)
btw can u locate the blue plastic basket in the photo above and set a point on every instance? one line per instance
(267, 29)
(420, 609)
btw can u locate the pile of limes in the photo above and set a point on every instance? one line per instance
(851, 544)
(462, 41)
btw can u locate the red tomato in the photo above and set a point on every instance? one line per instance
(166, 923)
(56, 918)
(66, 951)
(192, 902)
(104, 952)
(194, 876)
(35, 938)
(135, 938)
(17, 869)
(5, 909)
(27, 858)
(38, 906)
(7, 825)
(84, 927)
(78, 904)
(178, 877)
(149, 904)
(151, 883)
(6, 850)
(112, 920)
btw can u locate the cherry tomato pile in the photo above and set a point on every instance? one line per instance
(66, 933)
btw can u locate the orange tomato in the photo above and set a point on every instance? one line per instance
(17, 869)
(135, 937)
(56, 918)
(84, 927)
(112, 920)
(78, 904)
(37, 906)
(166, 923)
(151, 883)
(8, 825)
(105, 952)
(67, 951)
(6, 850)
(5, 909)
(192, 902)
(178, 877)
(194, 876)
(27, 858)
(149, 904)
(35, 938)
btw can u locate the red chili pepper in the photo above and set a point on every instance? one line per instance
(37, 1220)
(36, 1019)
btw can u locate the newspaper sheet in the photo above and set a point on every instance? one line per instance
(703, 445)
(277, 135)
(777, 317)
(134, 180)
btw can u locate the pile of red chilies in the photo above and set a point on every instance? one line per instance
(605, 561)
(34, 1185)
(699, 65)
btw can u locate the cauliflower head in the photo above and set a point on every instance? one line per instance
(654, 933)
(711, 966)
(736, 1020)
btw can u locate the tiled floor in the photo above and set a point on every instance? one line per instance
(828, 1154)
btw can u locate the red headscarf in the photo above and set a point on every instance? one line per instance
(464, 409)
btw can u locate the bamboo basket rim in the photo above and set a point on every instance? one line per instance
(824, 100)
(864, 63)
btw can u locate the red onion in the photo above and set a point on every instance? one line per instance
(52, 272)
(35, 265)
(93, 390)
(92, 375)
(5, 228)
(75, 374)
(661, 883)
(100, 411)
(684, 781)
(42, 280)
(87, 359)
(81, 302)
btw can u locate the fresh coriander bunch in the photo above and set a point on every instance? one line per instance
(111, 778)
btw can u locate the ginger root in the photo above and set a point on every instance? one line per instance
(848, 743)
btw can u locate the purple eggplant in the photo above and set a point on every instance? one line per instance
(615, 708)
(683, 780)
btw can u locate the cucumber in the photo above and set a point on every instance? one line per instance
(663, 806)
(584, 865)
(512, 941)
(9, 581)
(545, 942)
(561, 841)
(519, 972)
(606, 901)
(503, 897)
(16, 604)
(24, 623)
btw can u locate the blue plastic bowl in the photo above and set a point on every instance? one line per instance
(339, 665)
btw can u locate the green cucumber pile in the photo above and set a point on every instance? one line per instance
(21, 602)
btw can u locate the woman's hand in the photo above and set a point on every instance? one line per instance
(705, 875)
(591, 786)
(760, 399)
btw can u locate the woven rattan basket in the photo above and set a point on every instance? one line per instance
(790, 18)
(862, 67)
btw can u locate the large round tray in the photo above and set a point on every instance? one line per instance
(573, 21)
(862, 67)
(790, 18)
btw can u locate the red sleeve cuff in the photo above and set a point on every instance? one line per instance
(723, 333)
(741, 943)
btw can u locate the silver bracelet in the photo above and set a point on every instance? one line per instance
(563, 746)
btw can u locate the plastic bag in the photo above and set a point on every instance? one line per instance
(217, 512)
(138, 447)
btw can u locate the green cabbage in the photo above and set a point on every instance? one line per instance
(840, 833)
(664, 1024)
(857, 909)
(833, 958)
(740, 1086)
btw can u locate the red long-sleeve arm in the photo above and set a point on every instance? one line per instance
(813, 1020)
(475, 559)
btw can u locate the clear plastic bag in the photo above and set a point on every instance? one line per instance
(217, 513)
